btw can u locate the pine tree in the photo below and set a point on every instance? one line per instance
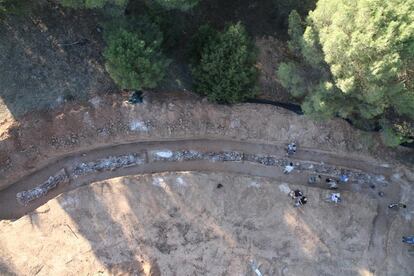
(226, 70)
(365, 50)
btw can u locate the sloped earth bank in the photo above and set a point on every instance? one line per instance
(47, 154)
(39, 138)
(183, 224)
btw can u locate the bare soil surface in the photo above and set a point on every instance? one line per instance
(183, 224)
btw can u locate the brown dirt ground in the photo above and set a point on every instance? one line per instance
(182, 224)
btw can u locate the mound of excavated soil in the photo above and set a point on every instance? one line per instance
(183, 224)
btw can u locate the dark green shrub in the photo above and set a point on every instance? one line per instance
(390, 137)
(203, 36)
(289, 76)
(133, 55)
(226, 71)
(183, 5)
(283, 8)
(91, 4)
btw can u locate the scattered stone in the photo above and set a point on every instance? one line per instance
(136, 125)
(108, 164)
(25, 197)
(95, 101)
(268, 160)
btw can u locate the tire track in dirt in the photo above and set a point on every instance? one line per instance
(11, 209)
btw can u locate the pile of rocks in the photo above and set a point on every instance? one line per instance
(25, 197)
(110, 163)
(188, 155)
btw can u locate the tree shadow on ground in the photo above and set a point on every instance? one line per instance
(105, 235)
(6, 269)
(49, 56)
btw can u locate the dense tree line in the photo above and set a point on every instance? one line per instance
(349, 59)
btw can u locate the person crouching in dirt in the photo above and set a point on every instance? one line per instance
(299, 198)
(288, 168)
(397, 206)
(332, 184)
(408, 239)
(343, 178)
(295, 194)
(301, 201)
(291, 148)
(335, 198)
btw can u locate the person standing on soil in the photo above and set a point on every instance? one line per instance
(288, 168)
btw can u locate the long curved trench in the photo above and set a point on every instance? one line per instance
(256, 159)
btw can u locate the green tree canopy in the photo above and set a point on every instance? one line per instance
(133, 55)
(183, 5)
(92, 4)
(226, 70)
(362, 54)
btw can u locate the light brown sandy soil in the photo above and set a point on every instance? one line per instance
(182, 224)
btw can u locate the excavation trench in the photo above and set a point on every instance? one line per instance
(255, 159)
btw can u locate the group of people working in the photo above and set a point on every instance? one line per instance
(298, 196)
(300, 199)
